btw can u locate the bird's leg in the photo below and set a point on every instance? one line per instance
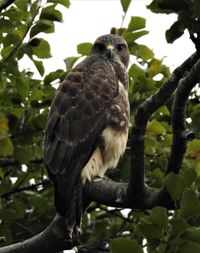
(76, 234)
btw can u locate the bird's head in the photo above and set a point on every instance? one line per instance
(112, 47)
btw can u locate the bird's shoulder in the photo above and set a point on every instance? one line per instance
(81, 101)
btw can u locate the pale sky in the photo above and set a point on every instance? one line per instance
(85, 20)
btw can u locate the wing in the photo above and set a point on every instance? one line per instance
(77, 117)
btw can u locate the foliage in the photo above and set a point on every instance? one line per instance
(26, 205)
(188, 17)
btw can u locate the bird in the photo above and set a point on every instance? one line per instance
(87, 126)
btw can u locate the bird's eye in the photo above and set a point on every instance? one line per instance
(121, 47)
(100, 47)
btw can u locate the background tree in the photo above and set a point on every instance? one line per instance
(160, 123)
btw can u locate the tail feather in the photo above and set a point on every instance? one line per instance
(70, 206)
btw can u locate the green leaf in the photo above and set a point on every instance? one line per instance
(3, 123)
(125, 4)
(5, 232)
(23, 154)
(6, 51)
(22, 88)
(136, 23)
(19, 209)
(6, 26)
(50, 13)
(16, 15)
(54, 76)
(36, 94)
(175, 185)
(166, 6)
(45, 26)
(122, 245)
(37, 201)
(6, 146)
(70, 61)
(174, 32)
(193, 149)
(8, 215)
(21, 4)
(156, 127)
(189, 176)
(42, 50)
(156, 67)
(178, 226)
(189, 247)
(192, 234)
(156, 175)
(25, 49)
(65, 3)
(39, 66)
(11, 38)
(150, 231)
(34, 42)
(84, 48)
(158, 216)
(130, 37)
(189, 205)
(40, 121)
(142, 51)
(136, 72)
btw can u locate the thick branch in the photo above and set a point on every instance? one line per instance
(114, 194)
(180, 132)
(52, 239)
(145, 110)
(5, 4)
(105, 191)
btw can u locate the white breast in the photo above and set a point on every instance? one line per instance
(108, 157)
(115, 145)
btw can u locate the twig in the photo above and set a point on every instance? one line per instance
(29, 24)
(145, 110)
(9, 161)
(5, 4)
(180, 132)
(30, 187)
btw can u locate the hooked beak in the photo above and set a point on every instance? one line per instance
(110, 51)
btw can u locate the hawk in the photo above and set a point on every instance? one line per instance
(87, 127)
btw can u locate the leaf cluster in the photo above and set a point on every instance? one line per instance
(188, 17)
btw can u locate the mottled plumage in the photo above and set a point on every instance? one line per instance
(87, 127)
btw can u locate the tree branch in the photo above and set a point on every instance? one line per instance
(29, 24)
(9, 161)
(5, 4)
(52, 239)
(179, 128)
(114, 194)
(145, 110)
(30, 187)
(104, 191)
